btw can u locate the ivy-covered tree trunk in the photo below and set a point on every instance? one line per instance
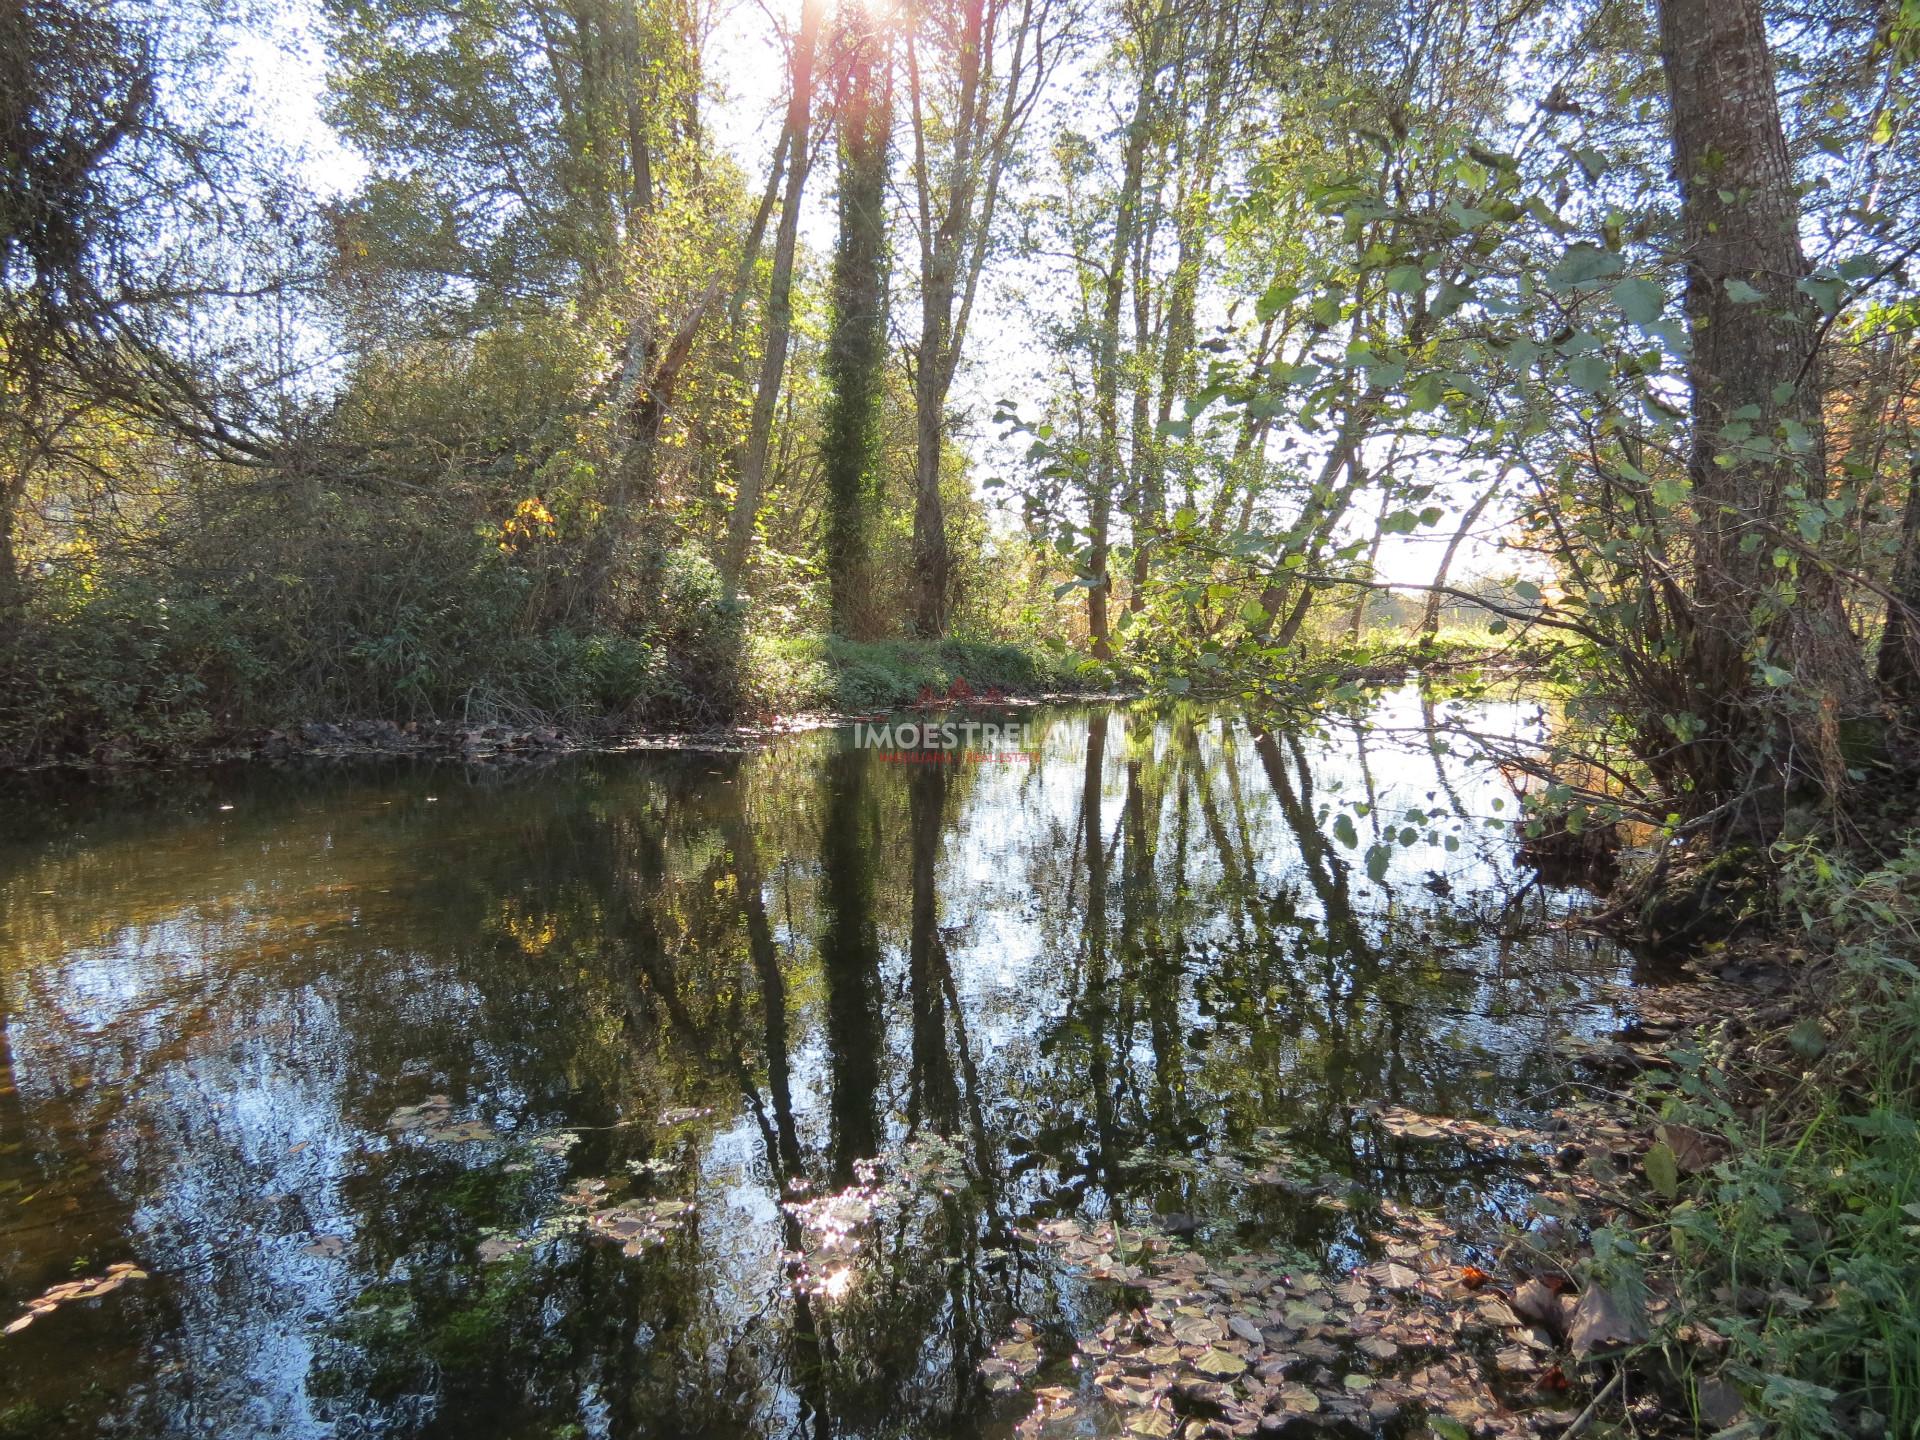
(856, 349)
(1770, 658)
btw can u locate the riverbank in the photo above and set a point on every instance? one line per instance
(1710, 1232)
(797, 684)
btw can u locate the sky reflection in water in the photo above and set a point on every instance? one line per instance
(819, 1027)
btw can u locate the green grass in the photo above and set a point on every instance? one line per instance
(790, 674)
(1802, 1247)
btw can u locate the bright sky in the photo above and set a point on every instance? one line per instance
(282, 64)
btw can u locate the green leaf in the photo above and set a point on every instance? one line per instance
(1275, 299)
(1589, 373)
(1663, 1170)
(1344, 832)
(1672, 490)
(1827, 292)
(1449, 299)
(1406, 280)
(1377, 858)
(1641, 301)
(1741, 293)
(1582, 265)
(1427, 392)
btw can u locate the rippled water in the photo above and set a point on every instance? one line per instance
(340, 1059)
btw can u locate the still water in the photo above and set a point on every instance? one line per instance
(700, 1093)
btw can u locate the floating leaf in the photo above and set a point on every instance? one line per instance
(1223, 1364)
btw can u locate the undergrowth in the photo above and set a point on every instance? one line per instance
(826, 672)
(136, 668)
(1798, 1253)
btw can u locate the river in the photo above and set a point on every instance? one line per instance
(707, 1093)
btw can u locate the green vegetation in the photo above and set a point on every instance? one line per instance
(1301, 350)
(846, 676)
(1797, 1241)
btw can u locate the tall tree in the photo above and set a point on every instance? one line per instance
(515, 145)
(971, 85)
(797, 146)
(1149, 26)
(1757, 440)
(856, 348)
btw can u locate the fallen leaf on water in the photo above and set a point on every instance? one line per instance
(1498, 1312)
(1220, 1362)
(88, 1288)
(1299, 1399)
(1515, 1361)
(1537, 1303)
(326, 1247)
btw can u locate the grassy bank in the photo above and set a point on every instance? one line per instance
(1786, 1187)
(812, 672)
(129, 673)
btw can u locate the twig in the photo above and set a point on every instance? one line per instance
(1585, 1417)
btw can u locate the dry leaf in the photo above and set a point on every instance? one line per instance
(1222, 1363)
(1598, 1324)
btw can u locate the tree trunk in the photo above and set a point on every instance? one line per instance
(1358, 623)
(773, 361)
(1752, 365)
(1107, 360)
(849, 951)
(1430, 620)
(856, 349)
(646, 394)
(933, 1093)
(1899, 659)
(1193, 212)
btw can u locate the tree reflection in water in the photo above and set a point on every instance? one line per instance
(840, 1024)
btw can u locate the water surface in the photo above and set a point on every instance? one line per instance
(342, 1058)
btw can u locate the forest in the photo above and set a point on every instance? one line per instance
(1029, 343)
(570, 374)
